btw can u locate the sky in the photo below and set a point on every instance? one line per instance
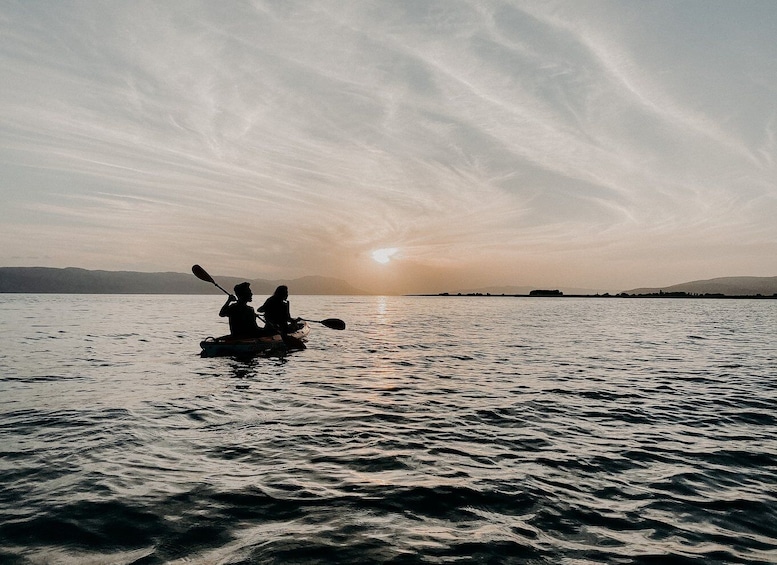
(401, 145)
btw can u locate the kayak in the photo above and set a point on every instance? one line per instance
(227, 345)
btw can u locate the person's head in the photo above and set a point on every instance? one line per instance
(243, 292)
(282, 291)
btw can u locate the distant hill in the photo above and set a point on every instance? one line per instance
(71, 280)
(729, 286)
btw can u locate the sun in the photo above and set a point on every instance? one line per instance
(384, 255)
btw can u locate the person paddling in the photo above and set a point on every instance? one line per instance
(242, 318)
(276, 312)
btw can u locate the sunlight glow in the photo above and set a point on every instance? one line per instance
(384, 255)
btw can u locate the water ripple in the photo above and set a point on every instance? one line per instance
(591, 432)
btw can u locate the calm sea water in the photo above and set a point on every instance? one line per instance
(432, 430)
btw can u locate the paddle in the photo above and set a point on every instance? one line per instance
(331, 323)
(203, 275)
(290, 341)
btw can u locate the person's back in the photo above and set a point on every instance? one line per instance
(242, 318)
(276, 310)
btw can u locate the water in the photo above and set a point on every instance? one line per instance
(432, 430)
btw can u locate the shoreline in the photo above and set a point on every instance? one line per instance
(672, 295)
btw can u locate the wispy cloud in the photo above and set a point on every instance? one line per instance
(282, 139)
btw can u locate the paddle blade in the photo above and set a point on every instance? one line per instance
(202, 274)
(334, 323)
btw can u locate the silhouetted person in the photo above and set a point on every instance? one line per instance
(276, 311)
(242, 318)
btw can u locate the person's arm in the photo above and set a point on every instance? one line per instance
(263, 307)
(224, 312)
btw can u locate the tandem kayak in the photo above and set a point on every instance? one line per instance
(227, 345)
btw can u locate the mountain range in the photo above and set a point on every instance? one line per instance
(729, 286)
(72, 280)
